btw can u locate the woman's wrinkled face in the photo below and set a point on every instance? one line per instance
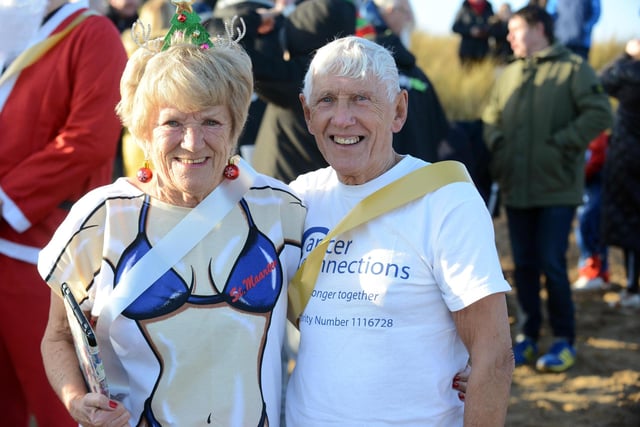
(189, 152)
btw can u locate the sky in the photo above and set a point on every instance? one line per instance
(619, 19)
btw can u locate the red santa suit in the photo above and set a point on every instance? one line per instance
(59, 135)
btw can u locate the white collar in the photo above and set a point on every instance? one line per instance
(60, 15)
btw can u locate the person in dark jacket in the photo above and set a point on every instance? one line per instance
(427, 133)
(261, 21)
(472, 24)
(621, 192)
(123, 13)
(541, 114)
(500, 48)
(284, 148)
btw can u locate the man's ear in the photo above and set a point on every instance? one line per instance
(307, 112)
(401, 110)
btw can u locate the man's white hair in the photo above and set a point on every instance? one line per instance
(355, 58)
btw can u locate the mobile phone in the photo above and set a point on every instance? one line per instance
(85, 343)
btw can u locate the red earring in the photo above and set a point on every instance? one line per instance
(144, 173)
(231, 171)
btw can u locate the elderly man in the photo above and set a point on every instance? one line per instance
(403, 301)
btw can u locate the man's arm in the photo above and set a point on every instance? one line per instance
(484, 329)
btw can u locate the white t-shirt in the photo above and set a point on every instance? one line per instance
(378, 343)
(202, 344)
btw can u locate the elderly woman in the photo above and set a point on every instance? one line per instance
(195, 340)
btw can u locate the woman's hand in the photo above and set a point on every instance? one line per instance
(61, 365)
(96, 410)
(460, 382)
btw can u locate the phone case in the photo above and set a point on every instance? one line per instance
(86, 345)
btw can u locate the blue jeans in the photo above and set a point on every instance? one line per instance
(588, 230)
(539, 242)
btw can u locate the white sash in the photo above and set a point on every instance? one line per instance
(166, 253)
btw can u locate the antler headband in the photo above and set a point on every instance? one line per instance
(185, 24)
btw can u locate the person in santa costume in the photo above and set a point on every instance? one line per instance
(61, 67)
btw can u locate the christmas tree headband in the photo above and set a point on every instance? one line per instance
(186, 25)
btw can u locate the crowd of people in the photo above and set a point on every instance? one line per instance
(242, 133)
(483, 32)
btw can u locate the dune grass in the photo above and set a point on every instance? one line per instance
(463, 92)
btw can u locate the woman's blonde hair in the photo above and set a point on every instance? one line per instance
(187, 77)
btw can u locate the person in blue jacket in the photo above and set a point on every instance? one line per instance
(574, 21)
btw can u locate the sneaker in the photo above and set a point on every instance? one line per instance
(561, 356)
(525, 350)
(591, 276)
(586, 284)
(629, 300)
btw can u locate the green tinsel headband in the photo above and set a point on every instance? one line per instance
(186, 23)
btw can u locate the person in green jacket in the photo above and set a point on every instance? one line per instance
(542, 112)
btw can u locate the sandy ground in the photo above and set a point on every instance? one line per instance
(603, 388)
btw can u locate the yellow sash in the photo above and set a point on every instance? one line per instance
(408, 188)
(34, 53)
